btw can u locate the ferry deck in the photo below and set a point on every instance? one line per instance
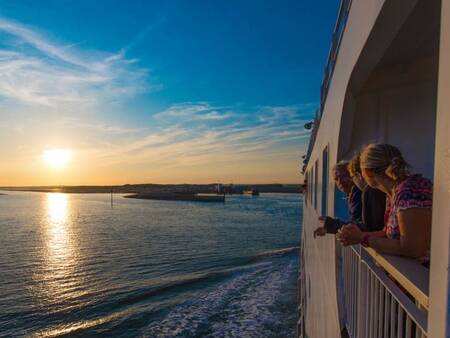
(387, 80)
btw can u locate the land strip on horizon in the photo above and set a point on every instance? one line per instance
(141, 188)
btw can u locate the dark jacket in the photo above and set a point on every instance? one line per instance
(373, 207)
(366, 209)
(354, 201)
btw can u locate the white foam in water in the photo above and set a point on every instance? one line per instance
(244, 306)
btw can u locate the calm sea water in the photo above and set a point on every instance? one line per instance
(72, 266)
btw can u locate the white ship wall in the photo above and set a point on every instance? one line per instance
(364, 105)
(439, 320)
(403, 116)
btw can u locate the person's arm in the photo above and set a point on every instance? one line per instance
(329, 225)
(377, 234)
(415, 234)
(332, 225)
(352, 234)
(320, 231)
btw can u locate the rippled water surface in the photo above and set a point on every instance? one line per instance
(72, 265)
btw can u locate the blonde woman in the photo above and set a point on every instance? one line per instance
(407, 223)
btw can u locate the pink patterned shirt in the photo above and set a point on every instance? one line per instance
(414, 192)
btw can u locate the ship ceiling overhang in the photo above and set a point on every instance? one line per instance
(405, 34)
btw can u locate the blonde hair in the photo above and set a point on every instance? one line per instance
(384, 159)
(354, 166)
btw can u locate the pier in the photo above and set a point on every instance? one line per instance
(169, 196)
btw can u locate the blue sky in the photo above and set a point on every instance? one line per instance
(167, 91)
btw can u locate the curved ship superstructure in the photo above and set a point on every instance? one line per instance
(387, 80)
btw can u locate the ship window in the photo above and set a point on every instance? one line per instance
(310, 178)
(306, 188)
(316, 169)
(324, 181)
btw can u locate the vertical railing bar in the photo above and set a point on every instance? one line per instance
(349, 290)
(345, 276)
(418, 331)
(408, 326)
(379, 305)
(393, 317)
(366, 309)
(358, 293)
(387, 302)
(361, 297)
(348, 294)
(355, 291)
(380, 311)
(371, 307)
(352, 308)
(375, 309)
(368, 298)
(400, 322)
(369, 303)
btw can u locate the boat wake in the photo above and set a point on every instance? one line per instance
(252, 299)
(248, 304)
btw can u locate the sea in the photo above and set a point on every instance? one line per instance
(75, 265)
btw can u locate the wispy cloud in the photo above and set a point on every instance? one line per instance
(192, 138)
(200, 111)
(36, 70)
(106, 129)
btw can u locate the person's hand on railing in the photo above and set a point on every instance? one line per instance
(320, 231)
(349, 235)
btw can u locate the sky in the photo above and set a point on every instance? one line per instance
(159, 91)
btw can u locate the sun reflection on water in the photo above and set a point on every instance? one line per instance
(58, 270)
(61, 280)
(58, 243)
(57, 205)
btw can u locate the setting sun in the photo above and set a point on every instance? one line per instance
(57, 158)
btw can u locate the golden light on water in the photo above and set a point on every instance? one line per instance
(57, 158)
(61, 278)
(57, 209)
(58, 230)
(59, 252)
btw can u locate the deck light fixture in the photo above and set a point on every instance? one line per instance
(309, 125)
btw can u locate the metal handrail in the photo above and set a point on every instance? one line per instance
(376, 304)
(415, 281)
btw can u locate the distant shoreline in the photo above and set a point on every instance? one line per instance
(143, 188)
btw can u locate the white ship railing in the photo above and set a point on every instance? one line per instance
(344, 10)
(385, 296)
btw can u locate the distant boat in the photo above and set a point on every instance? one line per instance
(251, 192)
